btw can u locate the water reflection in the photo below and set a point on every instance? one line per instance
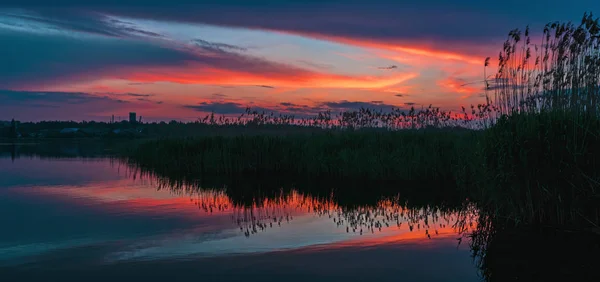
(505, 251)
(105, 211)
(59, 148)
(388, 219)
(386, 214)
(378, 216)
(103, 201)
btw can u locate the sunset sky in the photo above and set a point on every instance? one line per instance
(178, 59)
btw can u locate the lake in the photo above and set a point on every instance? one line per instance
(98, 219)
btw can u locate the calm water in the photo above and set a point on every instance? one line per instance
(75, 219)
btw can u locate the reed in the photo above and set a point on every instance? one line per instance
(417, 157)
(541, 155)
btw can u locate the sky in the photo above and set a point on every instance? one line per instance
(181, 59)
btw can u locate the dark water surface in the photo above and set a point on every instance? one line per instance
(96, 219)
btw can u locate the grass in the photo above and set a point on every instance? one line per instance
(543, 168)
(372, 155)
(382, 161)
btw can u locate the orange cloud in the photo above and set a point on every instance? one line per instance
(199, 74)
(423, 51)
(460, 86)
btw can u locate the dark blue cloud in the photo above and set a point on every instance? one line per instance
(40, 98)
(139, 95)
(216, 46)
(389, 20)
(353, 106)
(220, 108)
(42, 57)
(227, 108)
(37, 105)
(35, 57)
(76, 20)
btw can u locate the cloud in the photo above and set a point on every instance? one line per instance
(43, 58)
(319, 66)
(35, 56)
(139, 95)
(73, 20)
(224, 108)
(267, 75)
(374, 19)
(233, 108)
(140, 83)
(128, 29)
(43, 99)
(220, 47)
(463, 30)
(38, 105)
(265, 86)
(462, 86)
(345, 105)
(447, 25)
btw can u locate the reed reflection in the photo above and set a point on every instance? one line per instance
(500, 248)
(256, 208)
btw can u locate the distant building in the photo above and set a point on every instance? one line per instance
(132, 118)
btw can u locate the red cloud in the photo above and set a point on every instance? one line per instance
(200, 74)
